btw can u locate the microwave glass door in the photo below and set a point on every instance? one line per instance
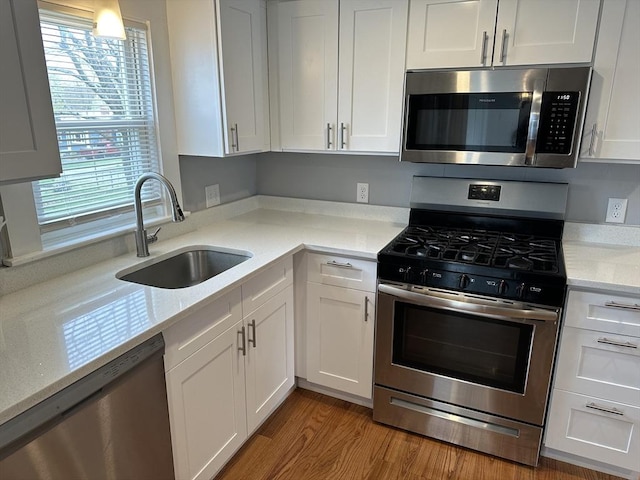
(479, 122)
(483, 351)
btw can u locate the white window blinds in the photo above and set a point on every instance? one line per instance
(103, 106)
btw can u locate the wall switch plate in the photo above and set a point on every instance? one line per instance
(616, 210)
(363, 193)
(212, 195)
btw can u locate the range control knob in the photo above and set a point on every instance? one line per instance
(404, 271)
(424, 275)
(464, 281)
(502, 287)
(520, 290)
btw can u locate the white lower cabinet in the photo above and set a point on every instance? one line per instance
(595, 404)
(340, 325)
(226, 372)
(269, 359)
(206, 395)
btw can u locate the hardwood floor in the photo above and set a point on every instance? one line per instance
(315, 437)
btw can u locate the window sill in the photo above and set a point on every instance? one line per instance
(83, 242)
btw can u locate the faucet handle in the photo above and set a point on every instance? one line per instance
(154, 236)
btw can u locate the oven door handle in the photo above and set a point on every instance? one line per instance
(482, 310)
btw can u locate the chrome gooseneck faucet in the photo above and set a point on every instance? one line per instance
(142, 240)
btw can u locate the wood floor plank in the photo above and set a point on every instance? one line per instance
(315, 437)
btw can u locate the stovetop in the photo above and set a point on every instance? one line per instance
(505, 257)
(479, 247)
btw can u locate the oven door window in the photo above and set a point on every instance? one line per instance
(478, 122)
(466, 347)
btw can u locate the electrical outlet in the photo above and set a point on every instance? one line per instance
(616, 210)
(212, 195)
(362, 193)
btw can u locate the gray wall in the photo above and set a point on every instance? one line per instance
(334, 177)
(235, 175)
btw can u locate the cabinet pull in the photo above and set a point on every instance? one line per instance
(243, 348)
(594, 132)
(366, 308)
(333, 263)
(595, 406)
(253, 332)
(624, 306)
(329, 136)
(343, 143)
(503, 48)
(616, 343)
(237, 139)
(234, 145)
(483, 54)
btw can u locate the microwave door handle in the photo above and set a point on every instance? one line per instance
(534, 124)
(481, 310)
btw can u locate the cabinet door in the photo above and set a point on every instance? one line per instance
(243, 40)
(372, 50)
(340, 328)
(450, 33)
(545, 31)
(207, 409)
(29, 146)
(269, 360)
(613, 114)
(599, 364)
(308, 73)
(596, 429)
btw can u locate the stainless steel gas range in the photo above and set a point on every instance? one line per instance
(469, 305)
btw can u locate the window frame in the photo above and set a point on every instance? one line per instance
(18, 203)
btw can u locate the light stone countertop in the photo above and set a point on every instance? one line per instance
(54, 333)
(602, 257)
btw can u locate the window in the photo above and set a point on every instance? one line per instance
(104, 113)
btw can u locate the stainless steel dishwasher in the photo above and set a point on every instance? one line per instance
(112, 424)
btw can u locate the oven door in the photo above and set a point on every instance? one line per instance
(484, 354)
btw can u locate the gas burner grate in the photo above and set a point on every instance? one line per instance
(479, 247)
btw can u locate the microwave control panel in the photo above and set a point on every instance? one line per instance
(557, 122)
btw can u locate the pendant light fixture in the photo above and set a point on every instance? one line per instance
(107, 20)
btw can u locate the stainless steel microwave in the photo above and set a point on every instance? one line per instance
(508, 116)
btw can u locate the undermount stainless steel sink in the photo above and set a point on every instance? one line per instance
(184, 267)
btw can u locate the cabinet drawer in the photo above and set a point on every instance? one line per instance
(257, 290)
(192, 333)
(341, 271)
(599, 364)
(593, 428)
(603, 312)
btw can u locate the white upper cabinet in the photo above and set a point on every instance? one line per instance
(219, 68)
(340, 71)
(612, 127)
(308, 73)
(28, 141)
(477, 33)
(445, 33)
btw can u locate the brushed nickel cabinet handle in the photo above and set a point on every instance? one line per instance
(503, 48)
(366, 308)
(329, 136)
(253, 332)
(343, 142)
(333, 263)
(237, 139)
(595, 406)
(234, 144)
(483, 54)
(243, 348)
(616, 343)
(624, 306)
(594, 132)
